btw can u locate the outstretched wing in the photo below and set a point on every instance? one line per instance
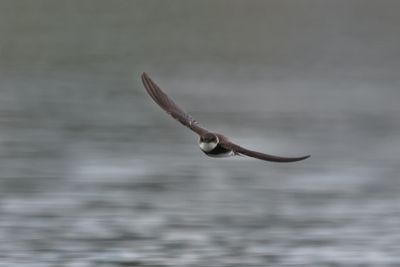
(258, 155)
(169, 105)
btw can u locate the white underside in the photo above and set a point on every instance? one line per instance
(224, 155)
(207, 147)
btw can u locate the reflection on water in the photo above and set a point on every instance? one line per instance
(93, 173)
(124, 191)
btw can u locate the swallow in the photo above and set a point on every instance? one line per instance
(211, 143)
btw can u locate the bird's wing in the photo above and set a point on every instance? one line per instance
(170, 107)
(258, 155)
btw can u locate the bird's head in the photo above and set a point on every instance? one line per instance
(208, 141)
(209, 138)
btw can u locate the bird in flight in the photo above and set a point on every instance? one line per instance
(212, 144)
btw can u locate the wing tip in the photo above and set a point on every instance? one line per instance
(304, 157)
(148, 83)
(283, 159)
(301, 158)
(144, 76)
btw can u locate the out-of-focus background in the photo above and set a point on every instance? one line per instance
(93, 173)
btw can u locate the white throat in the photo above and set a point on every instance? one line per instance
(207, 147)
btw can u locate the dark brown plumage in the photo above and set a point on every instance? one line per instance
(222, 144)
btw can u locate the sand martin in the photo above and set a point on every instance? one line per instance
(212, 144)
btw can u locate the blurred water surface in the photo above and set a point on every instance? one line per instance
(93, 173)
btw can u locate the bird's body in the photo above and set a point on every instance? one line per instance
(212, 144)
(214, 148)
(219, 152)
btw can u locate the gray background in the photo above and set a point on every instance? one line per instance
(93, 173)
